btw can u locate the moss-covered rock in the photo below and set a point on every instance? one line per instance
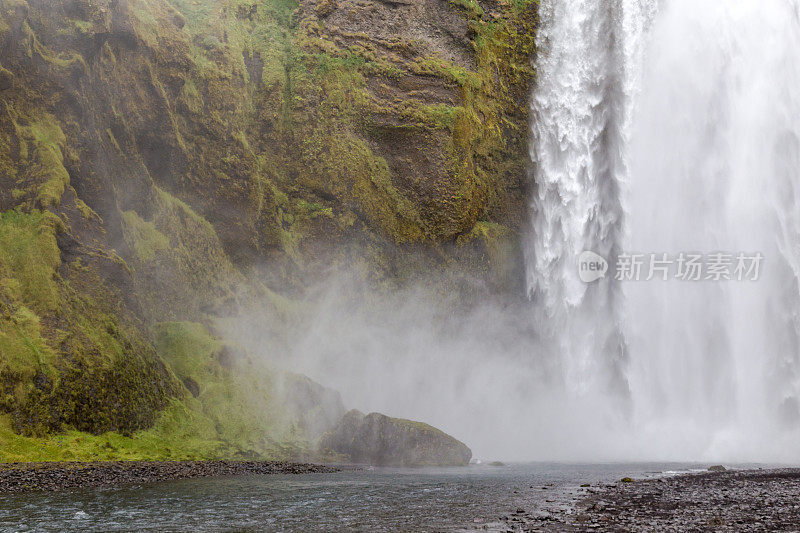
(70, 353)
(255, 411)
(379, 440)
(155, 155)
(405, 122)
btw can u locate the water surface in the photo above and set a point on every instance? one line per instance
(442, 499)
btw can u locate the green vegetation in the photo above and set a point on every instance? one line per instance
(178, 260)
(232, 139)
(179, 434)
(41, 142)
(234, 413)
(143, 237)
(234, 396)
(29, 258)
(91, 371)
(470, 7)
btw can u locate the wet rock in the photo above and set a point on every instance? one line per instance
(325, 8)
(6, 79)
(27, 477)
(717, 468)
(192, 386)
(379, 440)
(742, 501)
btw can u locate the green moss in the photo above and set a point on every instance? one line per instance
(348, 167)
(87, 212)
(490, 138)
(521, 5)
(438, 67)
(238, 27)
(42, 141)
(147, 21)
(24, 351)
(232, 393)
(178, 259)
(29, 258)
(83, 26)
(313, 209)
(442, 116)
(191, 96)
(93, 370)
(143, 237)
(187, 347)
(180, 433)
(470, 7)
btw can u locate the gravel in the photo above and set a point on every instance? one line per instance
(25, 477)
(735, 501)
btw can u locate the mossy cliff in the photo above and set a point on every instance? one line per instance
(157, 156)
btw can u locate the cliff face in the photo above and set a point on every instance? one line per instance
(155, 155)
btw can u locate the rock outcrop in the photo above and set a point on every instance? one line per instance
(156, 156)
(379, 440)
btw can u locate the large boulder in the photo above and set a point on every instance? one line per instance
(379, 440)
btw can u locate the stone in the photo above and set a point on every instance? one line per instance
(379, 440)
(6, 79)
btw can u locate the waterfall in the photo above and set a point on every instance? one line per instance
(666, 128)
(580, 110)
(714, 166)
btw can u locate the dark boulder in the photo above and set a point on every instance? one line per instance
(379, 440)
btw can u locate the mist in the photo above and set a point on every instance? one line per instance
(476, 373)
(638, 143)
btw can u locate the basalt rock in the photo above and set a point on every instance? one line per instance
(379, 440)
(157, 155)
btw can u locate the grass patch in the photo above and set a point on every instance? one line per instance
(29, 258)
(41, 144)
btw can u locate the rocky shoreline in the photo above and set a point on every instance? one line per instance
(736, 501)
(28, 477)
(760, 500)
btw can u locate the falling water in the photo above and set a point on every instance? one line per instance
(579, 117)
(671, 130)
(715, 167)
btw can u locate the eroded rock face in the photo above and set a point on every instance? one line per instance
(153, 154)
(379, 440)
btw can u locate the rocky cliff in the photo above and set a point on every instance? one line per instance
(158, 156)
(379, 440)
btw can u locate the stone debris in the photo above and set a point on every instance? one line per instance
(26, 477)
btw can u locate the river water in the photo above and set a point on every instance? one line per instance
(384, 499)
